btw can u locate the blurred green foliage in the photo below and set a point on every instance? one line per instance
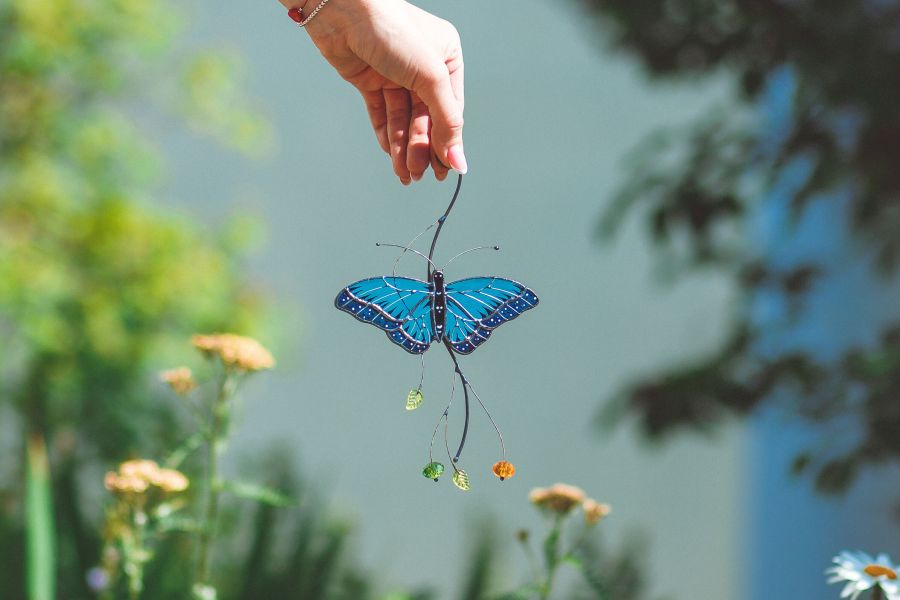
(832, 66)
(97, 284)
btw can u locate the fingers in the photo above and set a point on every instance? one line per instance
(446, 118)
(418, 152)
(441, 86)
(377, 110)
(440, 171)
(398, 109)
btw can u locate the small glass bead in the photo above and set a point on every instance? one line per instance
(461, 480)
(414, 399)
(433, 470)
(504, 470)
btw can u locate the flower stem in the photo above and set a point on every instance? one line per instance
(877, 594)
(214, 447)
(551, 555)
(137, 556)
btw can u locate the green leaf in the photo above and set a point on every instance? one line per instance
(461, 480)
(259, 493)
(414, 399)
(39, 529)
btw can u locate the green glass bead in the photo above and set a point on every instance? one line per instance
(433, 470)
(414, 399)
(461, 480)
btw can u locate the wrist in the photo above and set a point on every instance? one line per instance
(336, 16)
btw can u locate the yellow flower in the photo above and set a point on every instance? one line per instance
(135, 476)
(594, 511)
(559, 498)
(140, 468)
(170, 480)
(242, 353)
(181, 380)
(123, 484)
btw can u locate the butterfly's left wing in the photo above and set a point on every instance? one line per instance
(478, 305)
(400, 306)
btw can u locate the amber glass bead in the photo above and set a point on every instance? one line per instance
(504, 470)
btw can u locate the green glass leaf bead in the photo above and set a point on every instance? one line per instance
(433, 470)
(461, 480)
(414, 399)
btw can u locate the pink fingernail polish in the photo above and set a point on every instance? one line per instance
(457, 159)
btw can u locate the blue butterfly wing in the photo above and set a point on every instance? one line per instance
(478, 305)
(400, 306)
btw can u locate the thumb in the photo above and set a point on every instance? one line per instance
(435, 88)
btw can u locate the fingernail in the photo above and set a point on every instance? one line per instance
(457, 159)
(404, 181)
(416, 177)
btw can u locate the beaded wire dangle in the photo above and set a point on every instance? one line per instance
(460, 315)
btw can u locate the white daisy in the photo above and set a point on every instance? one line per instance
(862, 572)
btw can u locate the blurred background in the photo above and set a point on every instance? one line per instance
(703, 194)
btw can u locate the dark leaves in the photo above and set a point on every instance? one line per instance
(836, 138)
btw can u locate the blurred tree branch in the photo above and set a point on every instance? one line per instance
(696, 189)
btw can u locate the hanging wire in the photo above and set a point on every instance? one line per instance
(487, 412)
(440, 221)
(422, 376)
(444, 418)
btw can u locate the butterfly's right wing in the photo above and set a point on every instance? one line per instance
(478, 305)
(400, 306)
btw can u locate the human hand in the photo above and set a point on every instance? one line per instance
(408, 66)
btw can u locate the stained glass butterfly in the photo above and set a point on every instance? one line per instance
(461, 315)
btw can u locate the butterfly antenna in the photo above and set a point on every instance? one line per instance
(409, 247)
(470, 250)
(406, 249)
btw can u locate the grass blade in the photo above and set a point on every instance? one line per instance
(39, 531)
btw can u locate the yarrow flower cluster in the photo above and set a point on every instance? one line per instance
(594, 511)
(861, 572)
(562, 498)
(236, 351)
(137, 476)
(559, 498)
(562, 543)
(181, 380)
